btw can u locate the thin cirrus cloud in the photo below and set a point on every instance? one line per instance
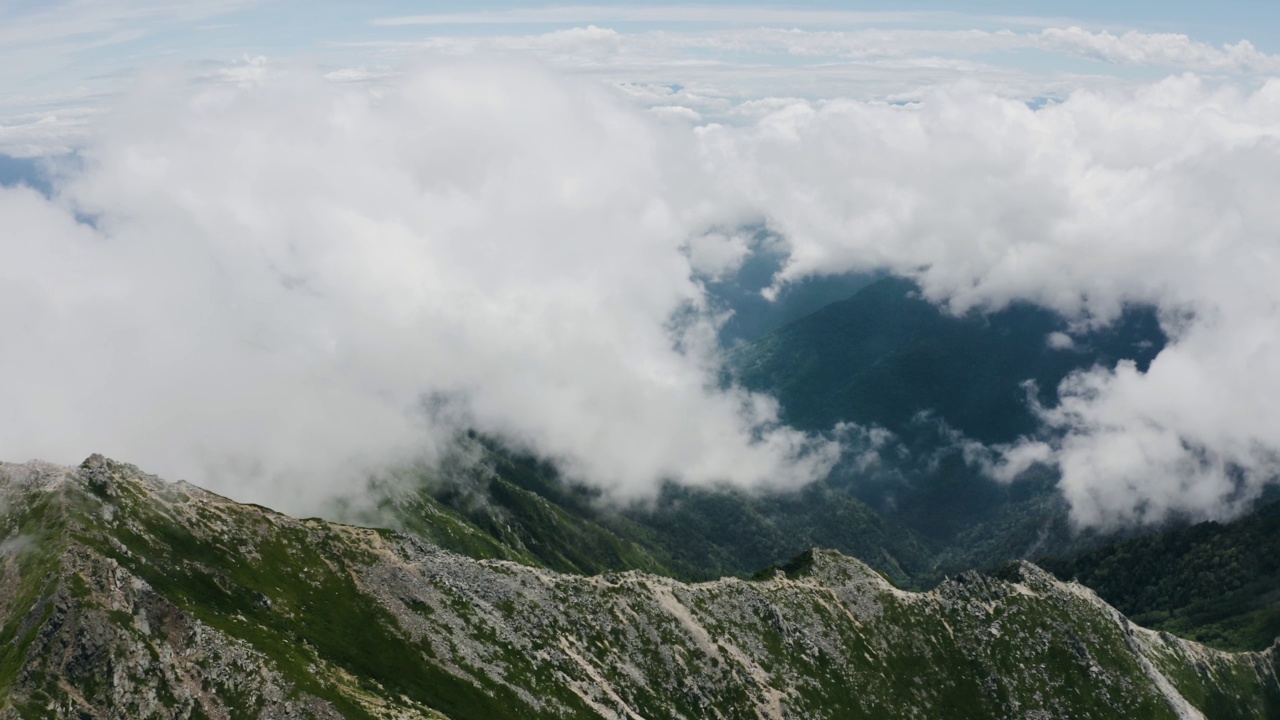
(585, 14)
(1157, 50)
(725, 55)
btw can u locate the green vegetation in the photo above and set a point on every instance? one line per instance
(1216, 583)
(360, 621)
(880, 357)
(289, 591)
(887, 358)
(503, 505)
(162, 589)
(885, 355)
(34, 532)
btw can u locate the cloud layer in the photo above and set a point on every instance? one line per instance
(271, 286)
(287, 282)
(707, 62)
(1161, 196)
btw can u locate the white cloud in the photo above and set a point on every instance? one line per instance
(1060, 341)
(717, 254)
(729, 65)
(304, 260)
(282, 273)
(250, 71)
(678, 113)
(723, 56)
(1162, 196)
(1167, 50)
(46, 133)
(775, 49)
(740, 14)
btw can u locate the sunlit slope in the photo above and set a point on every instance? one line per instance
(130, 597)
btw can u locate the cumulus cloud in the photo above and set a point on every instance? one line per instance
(1060, 341)
(273, 285)
(1160, 196)
(270, 287)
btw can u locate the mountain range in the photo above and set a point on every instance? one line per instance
(128, 596)
(504, 589)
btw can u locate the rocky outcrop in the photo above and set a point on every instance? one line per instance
(126, 597)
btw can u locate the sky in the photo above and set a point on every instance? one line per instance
(279, 245)
(63, 63)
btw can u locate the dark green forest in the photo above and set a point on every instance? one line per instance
(1213, 582)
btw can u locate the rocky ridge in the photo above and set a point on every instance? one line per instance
(125, 596)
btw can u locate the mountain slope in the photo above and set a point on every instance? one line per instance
(487, 502)
(921, 515)
(884, 355)
(1218, 583)
(130, 597)
(887, 358)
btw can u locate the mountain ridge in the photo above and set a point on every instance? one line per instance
(134, 597)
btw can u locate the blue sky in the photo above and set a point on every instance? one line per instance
(63, 64)
(128, 34)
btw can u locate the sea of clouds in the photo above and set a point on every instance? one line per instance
(273, 286)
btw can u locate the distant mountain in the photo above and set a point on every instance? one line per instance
(127, 597)
(752, 315)
(1217, 583)
(487, 502)
(870, 358)
(885, 355)
(887, 358)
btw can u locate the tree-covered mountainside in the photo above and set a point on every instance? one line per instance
(751, 315)
(880, 358)
(887, 358)
(885, 355)
(1217, 583)
(129, 597)
(487, 502)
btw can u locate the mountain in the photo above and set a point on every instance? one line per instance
(127, 596)
(485, 501)
(885, 355)
(1218, 583)
(882, 357)
(886, 358)
(741, 294)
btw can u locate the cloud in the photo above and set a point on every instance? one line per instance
(725, 69)
(46, 133)
(715, 255)
(1162, 196)
(723, 57)
(1160, 50)
(271, 287)
(1060, 341)
(739, 14)
(783, 48)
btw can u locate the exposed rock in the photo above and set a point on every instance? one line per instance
(130, 597)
